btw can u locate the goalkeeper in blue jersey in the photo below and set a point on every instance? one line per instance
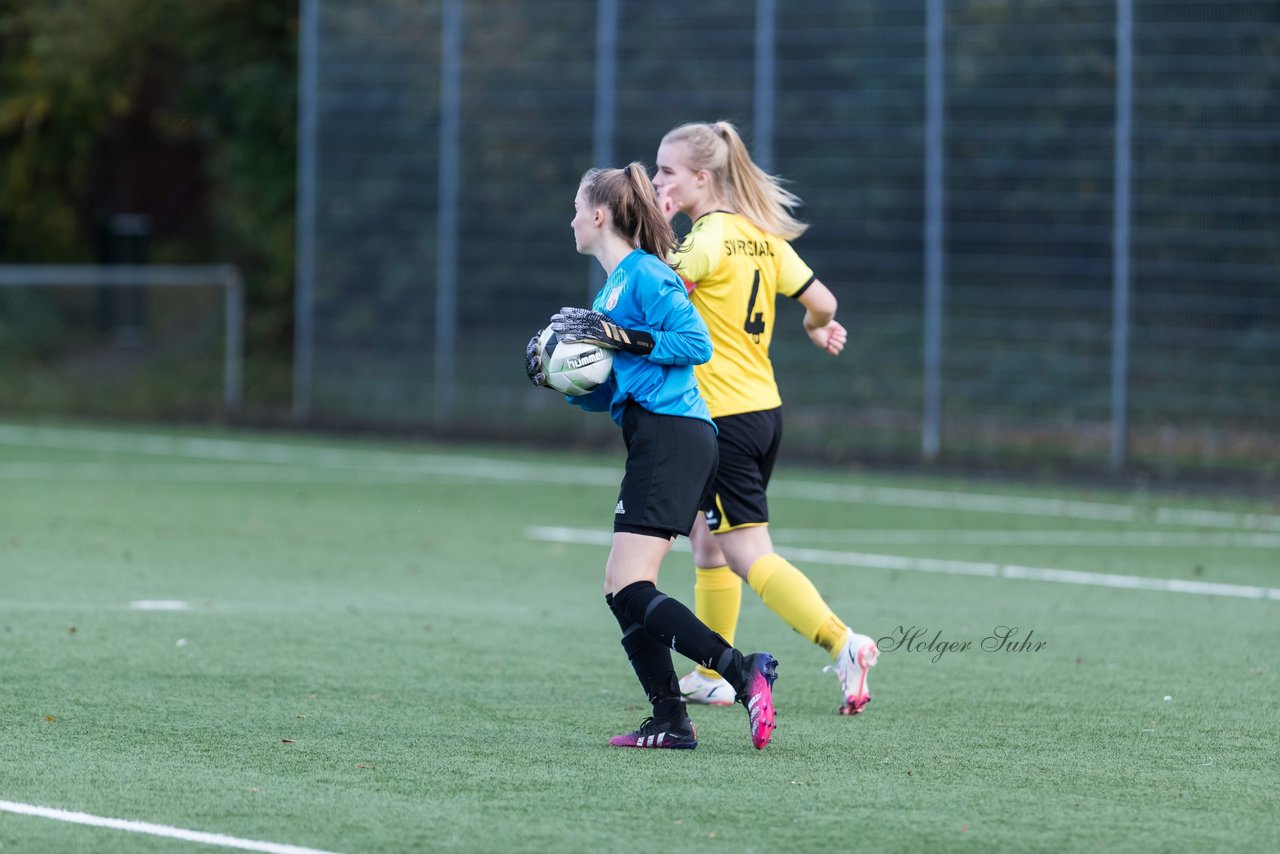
(644, 314)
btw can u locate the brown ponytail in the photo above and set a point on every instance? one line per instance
(633, 206)
(744, 187)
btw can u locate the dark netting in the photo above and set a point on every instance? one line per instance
(1030, 178)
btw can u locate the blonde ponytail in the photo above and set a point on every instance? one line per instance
(745, 187)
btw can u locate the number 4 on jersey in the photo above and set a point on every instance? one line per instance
(754, 325)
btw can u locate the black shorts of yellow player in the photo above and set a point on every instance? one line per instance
(748, 449)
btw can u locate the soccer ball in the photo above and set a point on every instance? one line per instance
(573, 369)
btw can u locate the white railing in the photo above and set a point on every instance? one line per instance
(164, 275)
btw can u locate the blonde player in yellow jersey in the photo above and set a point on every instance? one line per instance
(737, 259)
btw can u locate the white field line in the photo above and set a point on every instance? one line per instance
(1216, 519)
(968, 501)
(400, 465)
(581, 536)
(1075, 539)
(155, 829)
(176, 472)
(369, 466)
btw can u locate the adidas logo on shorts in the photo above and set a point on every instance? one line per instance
(619, 509)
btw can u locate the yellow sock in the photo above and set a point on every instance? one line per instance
(717, 600)
(791, 595)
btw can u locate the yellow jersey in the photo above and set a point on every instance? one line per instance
(736, 271)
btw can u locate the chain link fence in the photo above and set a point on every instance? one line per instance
(1073, 206)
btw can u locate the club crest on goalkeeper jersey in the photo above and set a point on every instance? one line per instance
(737, 271)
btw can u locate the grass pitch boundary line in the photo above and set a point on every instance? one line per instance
(209, 472)
(402, 464)
(155, 829)
(1024, 537)
(583, 536)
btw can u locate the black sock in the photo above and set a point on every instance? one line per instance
(674, 626)
(652, 663)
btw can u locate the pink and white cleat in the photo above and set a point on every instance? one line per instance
(675, 734)
(857, 656)
(761, 669)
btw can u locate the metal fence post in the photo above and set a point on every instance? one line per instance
(935, 224)
(604, 117)
(233, 357)
(766, 41)
(447, 208)
(1120, 233)
(304, 240)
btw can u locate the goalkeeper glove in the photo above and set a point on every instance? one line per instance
(533, 361)
(592, 327)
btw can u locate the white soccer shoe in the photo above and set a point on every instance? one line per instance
(857, 656)
(703, 690)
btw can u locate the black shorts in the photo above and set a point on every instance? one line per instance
(748, 449)
(671, 464)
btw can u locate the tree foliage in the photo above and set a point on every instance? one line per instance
(181, 111)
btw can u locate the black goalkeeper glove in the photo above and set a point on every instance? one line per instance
(533, 362)
(580, 324)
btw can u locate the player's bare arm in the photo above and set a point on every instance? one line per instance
(820, 322)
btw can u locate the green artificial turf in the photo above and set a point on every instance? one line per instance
(378, 656)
